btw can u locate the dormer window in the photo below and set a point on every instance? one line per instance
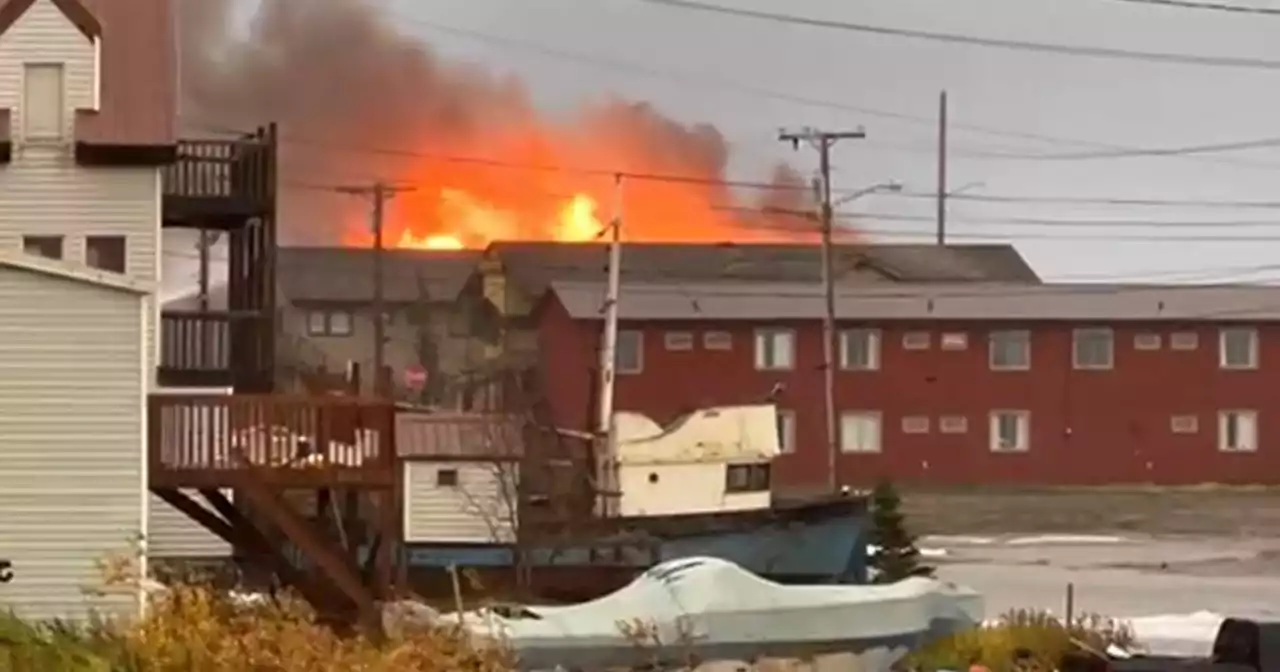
(43, 108)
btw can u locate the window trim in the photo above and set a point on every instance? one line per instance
(910, 337)
(1254, 346)
(103, 238)
(1024, 427)
(773, 332)
(877, 416)
(954, 423)
(1154, 341)
(1186, 340)
(676, 340)
(709, 340)
(38, 238)
(327, 331)
(991, 350)
(873, 343)
(916, 424)
(1222, 429)
(59, 135)
(617, 352)
(786, 431)
(1076, 335)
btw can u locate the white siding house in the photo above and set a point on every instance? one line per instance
(712, 460)
(450, 502)
(80, 253)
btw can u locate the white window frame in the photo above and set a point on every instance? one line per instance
(1184, 341)
(869, 342)
(1078, 338)
(678, 341)
(861, 445)
(768, 339)
(954, 340)
(629, 368)
(1224, 335)
(1248, 443)
(717, 340)
(786, 431)
(42, 134)
(320, 322)
(1021, 443)
(917, 340)
(916, 424)
(953, 424)
(1009, 337)
(1147, 341)
(1184, 423)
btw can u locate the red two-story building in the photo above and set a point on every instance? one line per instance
(942, 384)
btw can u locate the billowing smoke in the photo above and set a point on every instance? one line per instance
(357, 100)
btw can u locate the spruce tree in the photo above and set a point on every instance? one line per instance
(896, 556)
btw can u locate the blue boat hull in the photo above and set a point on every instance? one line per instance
(807, 543)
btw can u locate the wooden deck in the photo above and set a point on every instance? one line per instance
(219, 184)
(221, 441)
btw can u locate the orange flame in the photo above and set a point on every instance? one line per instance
(467, 205)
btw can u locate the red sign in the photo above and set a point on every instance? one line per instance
(415, 377)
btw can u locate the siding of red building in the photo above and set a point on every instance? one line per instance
(1087, 427)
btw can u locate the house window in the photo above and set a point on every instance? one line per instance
(1237, 431)
(1092, 348)
(329, 323)
(105, 253)
(953, 424)
(1147, 341)
(915, 424)
(717, 340)
(678, 340)
(1184, 424)
(629, 355)
(860, 349)
(786, 431)
(916, 340)
(1238, 348)
(1010, 431)
(447, 478)
(860, 432)
(1184, 340)
(49, 247)
(43, 111)
(1010, 350)
(775, 349)
(746, 478)
(955, 340)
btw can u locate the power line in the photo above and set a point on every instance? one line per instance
(1019, 45)
(1101, 200)
(702, 79)
(1211, 6)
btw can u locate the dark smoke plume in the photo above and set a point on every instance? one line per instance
(340, 78)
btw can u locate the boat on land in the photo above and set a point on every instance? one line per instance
(816, 542)
(704, 609)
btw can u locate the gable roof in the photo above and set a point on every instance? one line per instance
(138, 71)
(346, 274)
(57, 269)
(949, 301)
(534, 265)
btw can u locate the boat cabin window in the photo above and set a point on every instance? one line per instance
(746, 478)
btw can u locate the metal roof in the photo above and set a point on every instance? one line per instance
(341, 274)
(950, 301)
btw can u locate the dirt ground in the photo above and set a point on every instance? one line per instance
(1200, 511)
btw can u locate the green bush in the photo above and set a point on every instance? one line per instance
(1046, 637)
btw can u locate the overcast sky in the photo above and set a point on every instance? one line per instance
(1134, 104)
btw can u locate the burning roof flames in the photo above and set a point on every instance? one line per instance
(386, 107)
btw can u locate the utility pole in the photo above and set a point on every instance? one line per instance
(380, 193)
(606, 439)
(942, 168)
(823, 141)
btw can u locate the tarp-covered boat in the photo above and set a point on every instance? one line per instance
(710, 609)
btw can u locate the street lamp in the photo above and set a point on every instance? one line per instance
(890, 187)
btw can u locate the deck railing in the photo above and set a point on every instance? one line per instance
(239, 169)
(237, 432)
(195, 341)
